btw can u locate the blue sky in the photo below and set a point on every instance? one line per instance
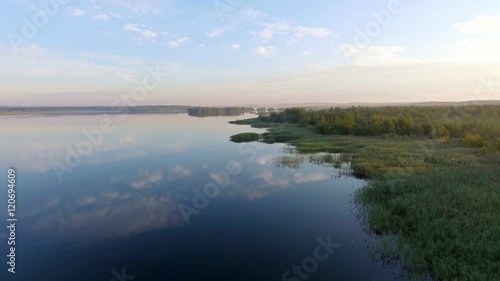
(228, 52)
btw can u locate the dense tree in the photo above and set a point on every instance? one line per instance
(437, 122)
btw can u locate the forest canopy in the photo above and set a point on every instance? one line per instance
(476, 125)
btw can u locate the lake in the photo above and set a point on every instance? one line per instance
(169, 197)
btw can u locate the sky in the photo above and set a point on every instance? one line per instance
(241, 52)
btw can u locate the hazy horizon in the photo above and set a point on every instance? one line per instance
(278, 105)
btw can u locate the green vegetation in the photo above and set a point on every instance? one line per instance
(218, 111)
(245, 137)
(447, 221)
(254, 122)
(439, 123)
(434, 180)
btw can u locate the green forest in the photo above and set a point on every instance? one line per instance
(477, 126)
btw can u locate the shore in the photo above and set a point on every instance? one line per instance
(439, 199)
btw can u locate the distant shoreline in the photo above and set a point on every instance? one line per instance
(174, 109)
(128, 110)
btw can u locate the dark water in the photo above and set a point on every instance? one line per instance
(117, 215)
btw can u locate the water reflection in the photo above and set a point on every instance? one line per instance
(126, 196)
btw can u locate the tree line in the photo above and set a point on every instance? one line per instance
(476, 125)
(218, 111)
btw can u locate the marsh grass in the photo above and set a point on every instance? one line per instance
(245, 137)
(447, 220)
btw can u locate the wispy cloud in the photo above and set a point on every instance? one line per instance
(142, 31)
(147, 180)
(266, 51)
(101, 16)
(142, 7)
(480, 24)
(247, 15)
(75, 11)
(219, 31)
(373, 55)
(180, 172)
(116, 15)
(176, 43)
(270, 29)
(301, 31)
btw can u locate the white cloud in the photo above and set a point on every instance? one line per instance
(265, 34)
(219, 31)
(125, 76)
(87, 200)
(181, 172)
(116, 15)
(236, 46)
(147, 180)
(306, 53)
(178, 42)
(140, 29)
(478, 50)
(270, 30)
(265, 160)
(373, 55)
(143, 7)
(271, 180)
(247, 15)
(268, 51)
(480, 24)
(301, 31)
(76, 12)
(301, 178)
(253, 14)
(101, 17)
(173, 44)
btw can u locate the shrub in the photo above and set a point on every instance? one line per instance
(472, 140)
(245, 137)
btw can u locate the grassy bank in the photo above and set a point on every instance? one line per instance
(440, 198)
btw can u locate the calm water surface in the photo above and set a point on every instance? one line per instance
(118, 211)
